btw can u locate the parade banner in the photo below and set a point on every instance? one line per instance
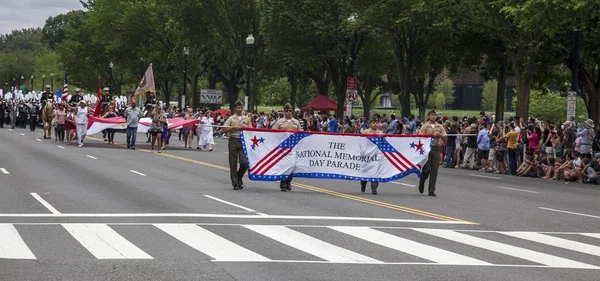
(96, 125)
(274, 155)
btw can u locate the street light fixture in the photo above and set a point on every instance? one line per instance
(110, 78)
(52, 81)
(186, 53)
(43, 81)
(249, 100)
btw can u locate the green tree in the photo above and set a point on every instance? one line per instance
(440, 101)
(447, 88)
(552, 106)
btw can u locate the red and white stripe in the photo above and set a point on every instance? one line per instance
(399, 161)
(267, 162)
(66, 89)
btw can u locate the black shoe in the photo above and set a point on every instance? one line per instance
(283, 189)
(289, 187)
(240, 184)
(421, 187)
(432, 194)
(133, 147)
(374, 191)
(363, 187)
(128, 146)
(235, 187)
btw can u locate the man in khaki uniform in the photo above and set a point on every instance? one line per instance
(371, 131)
(433, 160)
(287, 123)
(236, 153)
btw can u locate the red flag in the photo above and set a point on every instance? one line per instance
(98, 110)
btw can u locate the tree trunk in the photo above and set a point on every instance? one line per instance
(212, 81)
(524, 81)
(194, 91)
(500, 94)
(293, 79)
(166, 92)
(321, 78)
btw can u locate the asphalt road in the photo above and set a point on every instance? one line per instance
(103, 212)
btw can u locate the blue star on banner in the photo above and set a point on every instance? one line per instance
(422, 152)
(253, 147)
(413, 145)
(261, 140)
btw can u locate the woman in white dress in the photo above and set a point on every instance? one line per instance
(205, 136)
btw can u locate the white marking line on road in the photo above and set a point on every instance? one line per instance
(226, 152)
(192, 215)
(136, 172)
(92, 157)
(12, 245)
(486, 177)
(38, 139)
(46, 204)
(22, 134)
(506, 249)
(209, 243)
(593, 235)
(60, 146)
(408, 246)
(10, 130)
(233, 204)
(310, 244)
(516, 189)
(4, 171)
(104, 243)
(556, 242)
(567, 212)
(401, 183)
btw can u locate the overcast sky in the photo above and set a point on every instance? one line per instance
(17, 14)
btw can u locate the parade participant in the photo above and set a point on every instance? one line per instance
(81, 121)
(433, 159)
(205, 132)
(33, 116)
(75, 99)
(111, 132)
(287, 123)
(47, 95)
(14, 108)
(105, 99)
(236, 154)
(133, 115)
(156, 129)
(69, 125)
(373, 130)
(2, 110)
(60, 115)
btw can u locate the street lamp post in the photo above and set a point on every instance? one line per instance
(43, 81)
(249, 100)
(52, 82)
(186, 52)
(32, 82)
(110, 78)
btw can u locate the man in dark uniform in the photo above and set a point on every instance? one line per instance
(236, 153)
(287, 123)
(33, 116)
(105, 99)
(76, 98)
(23, 115)
(47, 95)
(2, 111)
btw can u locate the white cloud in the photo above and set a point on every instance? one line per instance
(32, 13)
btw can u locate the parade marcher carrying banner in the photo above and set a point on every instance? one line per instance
(146, 84)
(274, 155)
(96, 125)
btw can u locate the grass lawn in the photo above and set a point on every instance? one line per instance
(359, 111)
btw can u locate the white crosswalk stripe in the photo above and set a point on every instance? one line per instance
(410, 247)
(105, 243)
(506, 249)
(556, 242)
(309, 244)
(12, 245)
(451, 247)
(209, 243)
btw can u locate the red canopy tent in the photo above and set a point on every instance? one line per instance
(321, 103)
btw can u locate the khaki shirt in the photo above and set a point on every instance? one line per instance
(237, 121)
(428, 129)
(287, 124)
(369, 131)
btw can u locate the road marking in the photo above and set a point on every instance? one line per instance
(12, 245)
(92, 157)
(38, 139)
(10, 130)
(317, 189)
(401, 183)
(516, 189)
(310, 244)
(506, 249)
(4, 171)
(233, 204)
(226, 152)
(486, 177)
(22, 134)
(104, 243)
(60, 146)
(556, 242)
(192, 215)
(593, 235)
(209, 243)
(46, 204)
(572, 213)
(136, 172)
(408, 246)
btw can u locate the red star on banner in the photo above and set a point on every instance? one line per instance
(255, 141)
(419, 146)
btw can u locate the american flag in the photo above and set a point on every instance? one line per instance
(273, 157)
(391, 154)
(66, 86)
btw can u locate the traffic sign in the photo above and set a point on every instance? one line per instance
(351, 95)
(352, 83)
